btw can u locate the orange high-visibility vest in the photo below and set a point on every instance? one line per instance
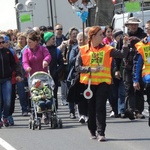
(94, 57)
(144, 50)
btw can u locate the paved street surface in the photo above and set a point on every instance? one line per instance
(121, 134)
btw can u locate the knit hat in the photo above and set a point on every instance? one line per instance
(48, 36)
(117, 32)
(6, 38)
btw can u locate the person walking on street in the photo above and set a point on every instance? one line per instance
(94, 63)
(134, 100)
(21, 43)
(7, 66)
(117, 75)
(57, 64)
(35, 57)
(66, 48)
(141, 64)
(59, 39)
(75, 92)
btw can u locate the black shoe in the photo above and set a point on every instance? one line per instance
(122, 115)
(72, 116)
(129, 114)
(117, 115)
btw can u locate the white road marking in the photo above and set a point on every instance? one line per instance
(6, 145)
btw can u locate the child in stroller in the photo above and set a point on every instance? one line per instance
(42, 96)
(41, 87)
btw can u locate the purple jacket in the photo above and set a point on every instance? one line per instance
(34, 59)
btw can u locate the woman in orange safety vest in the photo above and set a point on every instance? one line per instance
(94, 63)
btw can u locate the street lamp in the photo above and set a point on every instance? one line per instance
(22, 8)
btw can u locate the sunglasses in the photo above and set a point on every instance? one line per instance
(2, 42)
(59, 29)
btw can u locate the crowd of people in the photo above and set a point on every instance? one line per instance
(86, 65)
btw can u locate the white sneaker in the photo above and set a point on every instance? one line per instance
(64, 103)
(112, 114)
(82, 119)
(86, 119)
(101, 138)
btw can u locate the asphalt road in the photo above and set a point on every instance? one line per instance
(121, 134)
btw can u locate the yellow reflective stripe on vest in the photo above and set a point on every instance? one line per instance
(96, 81)
(96, 78)
(146, 69)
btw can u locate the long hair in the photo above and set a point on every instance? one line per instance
(92, 31)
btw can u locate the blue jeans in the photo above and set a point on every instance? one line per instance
(47, 104)
(5, 97)
(64, 90)
(121, 97)
(22, 95)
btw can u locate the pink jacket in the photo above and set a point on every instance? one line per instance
(34, 59)
(107, 40)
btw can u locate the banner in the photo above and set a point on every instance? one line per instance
(132, 6)
(25, 18)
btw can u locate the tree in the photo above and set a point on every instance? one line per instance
(104, 13)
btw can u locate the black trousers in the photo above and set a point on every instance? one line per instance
(134, 100)
(147, 92)
(97, 108)
(113, 98)
(55, 91)
(13, 96)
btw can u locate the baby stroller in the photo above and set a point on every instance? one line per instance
(35, 118)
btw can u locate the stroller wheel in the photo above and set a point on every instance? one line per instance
(39, 124)
(33, 125)
(53, 123)
(30, 124)
(59, 123)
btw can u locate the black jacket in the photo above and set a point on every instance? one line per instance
(7, 63)
(57, 64)
(128, 61)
